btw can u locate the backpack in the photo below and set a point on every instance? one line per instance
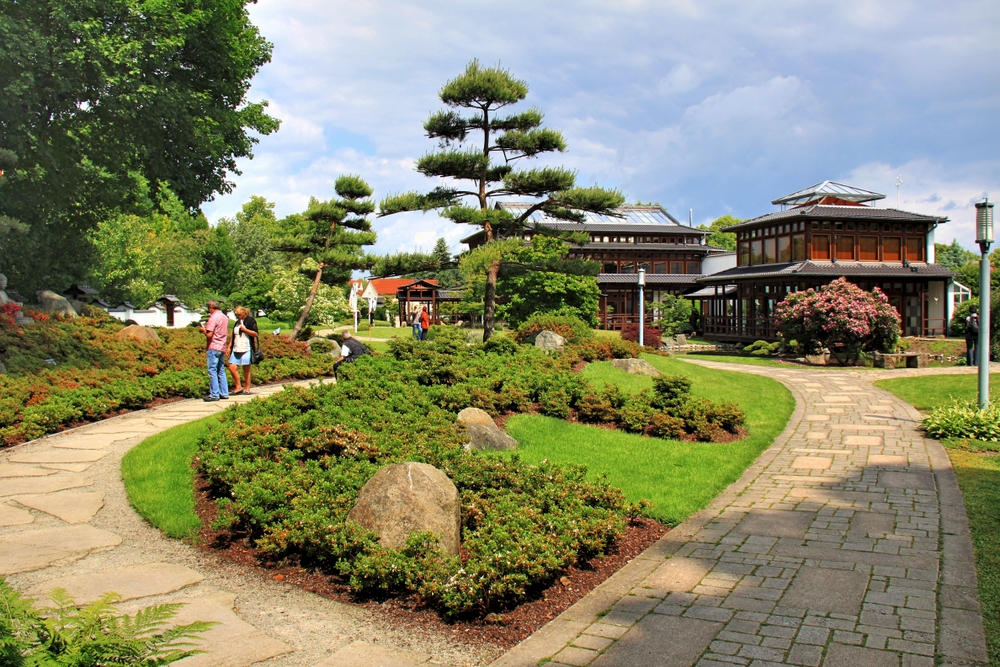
(972, 325)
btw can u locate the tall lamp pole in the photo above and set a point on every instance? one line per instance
(984, 237)
(642, 305)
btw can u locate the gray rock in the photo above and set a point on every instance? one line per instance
(50, 302)
(407, 497)
(3, 369)
(549, 341)
(681, 339)
(483, 431)
(636, 367)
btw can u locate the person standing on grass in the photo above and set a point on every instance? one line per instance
(241, 344)
(425, 323)
(972, 336)
(415, 323)
(216, 332)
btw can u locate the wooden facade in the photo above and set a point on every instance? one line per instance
(817, 242)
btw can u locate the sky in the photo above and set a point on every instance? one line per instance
(707, 108)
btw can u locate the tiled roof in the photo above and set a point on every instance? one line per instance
(390, 285)
(626, 214)
(829, 269)
(680, 247)
(636, 229)
(651, 278)
(826, 212)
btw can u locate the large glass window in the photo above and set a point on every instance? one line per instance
(644, 266)
(784, 249)
(757, 252)
(744, 253)
(868, 248)
(798, 247)
(845, 247)
(821, 246)
(770, 254)
(676, 267)
(659, 267)
(628, 267)
(892, 249)
(915, 249)
(693, 267)
(610, 267)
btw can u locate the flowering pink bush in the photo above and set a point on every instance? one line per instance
(840, 316)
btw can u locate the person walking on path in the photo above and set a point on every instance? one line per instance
(425, 323)
(241, 345)
(972, 336)
(216, 332)
(350, 351)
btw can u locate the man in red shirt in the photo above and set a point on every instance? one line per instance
(425, 323)
(216, 332)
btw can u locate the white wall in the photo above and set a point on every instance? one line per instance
(715, 263)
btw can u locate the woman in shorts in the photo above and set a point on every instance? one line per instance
(241, 342)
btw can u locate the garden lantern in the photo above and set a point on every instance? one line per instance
(642, 305)
(984, 237)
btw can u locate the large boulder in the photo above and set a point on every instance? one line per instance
(407, 497)
(136, 332)
(50, 302)
(549, 341)
(483, 431)
(636, 367)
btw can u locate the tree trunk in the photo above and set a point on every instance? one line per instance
(490, 301)
(309, 304)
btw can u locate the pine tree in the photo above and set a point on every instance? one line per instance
(483, 165)
(331, 235)
(442, 253)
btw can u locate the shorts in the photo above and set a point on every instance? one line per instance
(240, 358)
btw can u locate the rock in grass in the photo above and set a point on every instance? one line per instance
(483, 431)
(549, 341)
(50, 302)
(136, 332)
(636, 367)
(407, 497)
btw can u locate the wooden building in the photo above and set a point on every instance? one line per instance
(648, 237)
(822, 233)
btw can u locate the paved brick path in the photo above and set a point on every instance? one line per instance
(845, 544)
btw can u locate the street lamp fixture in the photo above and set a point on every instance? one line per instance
(642, 306)
(984, 237)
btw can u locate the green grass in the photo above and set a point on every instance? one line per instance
(601, 333)
(267, 325)
(159, 478)
(678, 478)
(927, 392)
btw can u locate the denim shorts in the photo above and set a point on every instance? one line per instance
(240, 358)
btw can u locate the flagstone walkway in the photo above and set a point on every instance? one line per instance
(845, 545)
(65, 521)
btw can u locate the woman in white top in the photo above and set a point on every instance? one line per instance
(242, 341)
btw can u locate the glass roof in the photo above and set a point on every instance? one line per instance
(829, 189)
(650, 215)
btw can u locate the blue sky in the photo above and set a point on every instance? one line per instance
(718, 107)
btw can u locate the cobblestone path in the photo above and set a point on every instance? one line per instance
(845, 545)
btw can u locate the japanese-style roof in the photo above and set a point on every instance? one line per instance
(170, 298)
(637, 229)
(828, 189)
(627, 215)
(651, 278)
(390, 285)
(707, 292)
(875, 270)
(685, 247)
(827, 212)
(426, 284)
(79, 288)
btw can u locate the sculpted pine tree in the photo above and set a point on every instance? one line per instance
(329, 237)
(479, 151)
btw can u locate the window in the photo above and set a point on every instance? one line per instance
(770, 254)
(676, 267)
(845, 247)
(798, 247)
(821, 246)
(915, 249)
(644, 266)
(628, 267)
(757, 252)
(659, 267)
(784, 249)
(892, 249)
(744, 253)
(605, 239)
(693, 267)
(610, 267)
(869, 248)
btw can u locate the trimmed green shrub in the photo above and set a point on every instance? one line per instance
(572, 329)
(964, 420)
(762, 348)
(670, 391)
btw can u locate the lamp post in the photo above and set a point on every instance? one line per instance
(642, 305)
(984, 237)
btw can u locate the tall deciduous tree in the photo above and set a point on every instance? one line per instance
(478, 152)
(331, 235)
(101, 95)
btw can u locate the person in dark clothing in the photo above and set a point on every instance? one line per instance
(972, 336)
(350, 351)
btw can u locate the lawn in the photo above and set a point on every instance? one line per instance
(159, 478)
(927, 392)
(678, 478)
(267, 325)
(978, 472)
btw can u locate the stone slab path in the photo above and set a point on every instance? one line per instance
(66, 522)
(845, 545)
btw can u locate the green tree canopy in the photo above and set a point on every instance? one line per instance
(100, 96)
(719, 237)
(953, 256)
(251, 232)
(479, 145)
(331, 235)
